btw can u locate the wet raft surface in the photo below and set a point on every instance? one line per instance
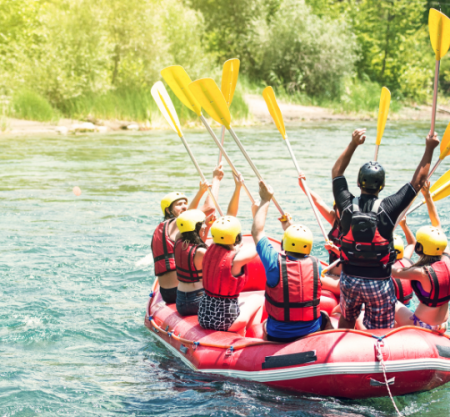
(72, 299)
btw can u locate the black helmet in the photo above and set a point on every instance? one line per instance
(371, 176)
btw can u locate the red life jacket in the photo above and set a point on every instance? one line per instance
(296, 297)
(362, 245)
(162, 249)
(184, 260)
(439, 273)
(217, 278)
(403, 287)
(334, 237)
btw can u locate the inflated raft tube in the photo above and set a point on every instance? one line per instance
(339, 363)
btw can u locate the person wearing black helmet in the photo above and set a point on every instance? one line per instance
(367, 242)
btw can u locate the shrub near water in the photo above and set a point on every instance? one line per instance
(29, 105)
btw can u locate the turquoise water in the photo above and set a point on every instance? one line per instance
(73, 285)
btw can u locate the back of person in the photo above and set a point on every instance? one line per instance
(189, 252)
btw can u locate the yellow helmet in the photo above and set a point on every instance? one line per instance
(432, 239)
(298, 238)
(398, 246)
(187, 220)
(225, 230)
(170, 198)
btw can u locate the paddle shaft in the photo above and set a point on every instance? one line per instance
(435, 94)
(434, 168)
(252, 165)
(308, 194)
(376, 152)
(219, 160)
(200, 173)
(415, 208)
(225, 155)
(331, 266)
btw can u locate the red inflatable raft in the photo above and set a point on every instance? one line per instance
(339, 363)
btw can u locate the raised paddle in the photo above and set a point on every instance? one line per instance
(385, 101)
(178, 80)
(212, 100)
(439, 27)
(444, 148)
(439, 190)
(230, 75)
(275, 112)
(167, 109)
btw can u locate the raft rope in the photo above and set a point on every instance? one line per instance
(383, 367)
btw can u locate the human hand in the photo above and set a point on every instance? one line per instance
(238, 180)
(285, 220)
(426, 189)
(359, 137)
(210, 220)
(218, 172)
(330, 246)
(301, 177)
(265, 191)
(204, 185)
(402, 222)
(432, 140)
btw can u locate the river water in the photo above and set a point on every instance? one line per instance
(73, 286)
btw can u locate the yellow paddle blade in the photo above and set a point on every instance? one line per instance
(230, 75)
(439, 26)
(385, 101)
(212, 100)
(165, 106)
(445, 143)
(178, 80)
(442, 192)
(445, 178)
(274, 110)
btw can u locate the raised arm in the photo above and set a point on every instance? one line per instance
(328, 213)
(266, 194)
(423, 168)
(215, 185)
(432, 211)
(233, 206)
(410, 239)
(203, 188)
(358, 138)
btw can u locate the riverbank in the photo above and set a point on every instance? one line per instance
(258, 115)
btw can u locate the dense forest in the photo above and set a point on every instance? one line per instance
(74, 58)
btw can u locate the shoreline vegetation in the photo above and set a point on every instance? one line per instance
(88, 65)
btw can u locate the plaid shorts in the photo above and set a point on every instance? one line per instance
(377, 295)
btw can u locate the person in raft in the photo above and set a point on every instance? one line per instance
(403, 288)
(331, 280)
(293, 286)
(163, 240)
(430, 276)
(224, 278)
(190, 249)
(367, 242)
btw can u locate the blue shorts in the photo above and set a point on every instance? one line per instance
(377, 295)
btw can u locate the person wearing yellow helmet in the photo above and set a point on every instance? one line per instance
(163, 239)
(367, 244)
(403, 288)
(224, 278)
(429, 276)
(293, 286)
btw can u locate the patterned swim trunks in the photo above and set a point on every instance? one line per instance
(217, 313)
(377, 295)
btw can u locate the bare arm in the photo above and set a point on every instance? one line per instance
(432, 211)
(198, 258)
(243, 257)
(266, 194)
(201, 191)
(218, 174)
(423, 168)
(328, 214)
(233, 206)
(358, 138)
(413, 274)
(410, 239)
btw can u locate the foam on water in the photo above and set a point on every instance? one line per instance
(75, 275)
